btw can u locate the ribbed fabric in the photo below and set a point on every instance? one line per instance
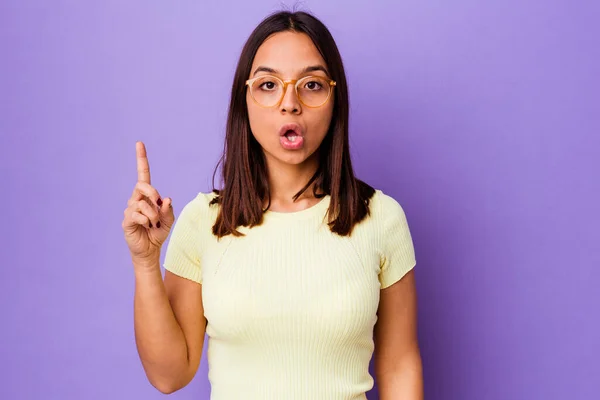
(290, 306)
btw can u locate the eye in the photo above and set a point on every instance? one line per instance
(313, 85)
(267, 85)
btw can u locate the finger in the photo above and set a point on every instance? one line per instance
(136, 196)
(143, 167)
(150, 192)
(150, 212)
(134, 218)
(166, 212)
(138, 218)
(167, 206)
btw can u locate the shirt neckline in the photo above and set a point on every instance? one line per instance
(312, 211)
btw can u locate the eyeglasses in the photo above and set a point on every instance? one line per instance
(312, 91)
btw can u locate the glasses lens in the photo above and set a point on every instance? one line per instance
(267, 91)
(313, 90)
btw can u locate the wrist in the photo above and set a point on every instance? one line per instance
(146, 264)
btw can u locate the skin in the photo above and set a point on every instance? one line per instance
(289, 53)
(398, 366)
(169, 315)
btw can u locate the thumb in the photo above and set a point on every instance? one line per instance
(167, 215)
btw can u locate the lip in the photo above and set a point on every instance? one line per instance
(291, 127)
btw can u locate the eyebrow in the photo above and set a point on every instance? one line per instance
(310, 68)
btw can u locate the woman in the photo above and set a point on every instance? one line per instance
(296, 270)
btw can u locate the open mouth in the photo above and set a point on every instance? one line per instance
(291, 136)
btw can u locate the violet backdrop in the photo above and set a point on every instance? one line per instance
(481, 118)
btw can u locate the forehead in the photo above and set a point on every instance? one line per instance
(287, 52)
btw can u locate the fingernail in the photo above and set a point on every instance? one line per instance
(158, 224)
(159, 202)
(150, 224)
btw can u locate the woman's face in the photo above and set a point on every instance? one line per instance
(289, 55)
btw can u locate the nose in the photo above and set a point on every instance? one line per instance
(290, 102)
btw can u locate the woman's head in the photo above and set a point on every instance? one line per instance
(289, 89)
(287, 46)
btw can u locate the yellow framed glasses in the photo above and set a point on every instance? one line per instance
(312, 91)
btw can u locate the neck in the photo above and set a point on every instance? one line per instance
(285, 180)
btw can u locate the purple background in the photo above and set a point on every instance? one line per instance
(480, 118)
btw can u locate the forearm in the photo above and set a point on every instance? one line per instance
(160, 341)
(403, 381)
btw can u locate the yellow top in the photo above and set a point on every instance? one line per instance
(290, 306)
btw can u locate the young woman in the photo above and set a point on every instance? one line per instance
(296, 270)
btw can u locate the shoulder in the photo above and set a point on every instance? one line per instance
(199, 207)
(385, 207)
(395, 244)
(388, 219)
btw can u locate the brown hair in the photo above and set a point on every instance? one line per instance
(244, 173)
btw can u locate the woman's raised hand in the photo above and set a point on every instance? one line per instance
(148, 218)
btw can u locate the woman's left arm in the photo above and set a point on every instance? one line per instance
(398, 368)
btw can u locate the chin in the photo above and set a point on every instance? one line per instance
(297, 157)
(293, 159)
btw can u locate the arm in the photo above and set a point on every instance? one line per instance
(398, 368)
(169, 327)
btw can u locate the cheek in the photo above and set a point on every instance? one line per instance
(258, 120)
(320, 123)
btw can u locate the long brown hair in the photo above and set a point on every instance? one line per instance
(244, 173)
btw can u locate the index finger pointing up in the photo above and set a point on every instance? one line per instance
(143, 168)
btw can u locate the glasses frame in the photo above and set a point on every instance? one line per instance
(285, 84)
